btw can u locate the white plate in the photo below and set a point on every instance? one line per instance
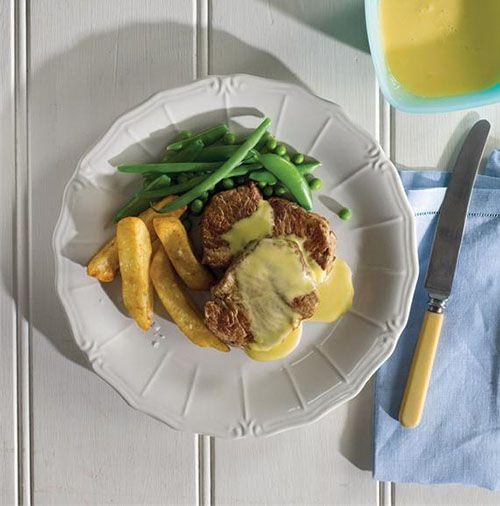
(229, 395)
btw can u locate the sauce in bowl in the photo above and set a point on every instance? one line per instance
(440, 48)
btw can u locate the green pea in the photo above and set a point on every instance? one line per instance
(240, 180)
(204, 197)
(345, 214)
(315, 184)
(229, 138)
(182, 178)
(287, 158)
(227, 183)
(261, 184)
(187, 224)
(185, 134)
(309, 177)
(280, 190)
(196, 206)
(298, 158)
(271, 144)
(280, 150)
(267, 191)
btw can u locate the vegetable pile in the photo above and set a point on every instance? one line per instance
(198, 165)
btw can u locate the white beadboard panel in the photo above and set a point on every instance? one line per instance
(91, 61)
(327, 462)
(432, 141)
(445, 495)
(8, 443)
(318, 44)
(306, 43)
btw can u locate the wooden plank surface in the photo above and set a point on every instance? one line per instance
(87, 63)
(91, 61)
(8, 437)
(293, 41)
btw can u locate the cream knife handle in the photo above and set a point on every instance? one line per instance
(417, 383)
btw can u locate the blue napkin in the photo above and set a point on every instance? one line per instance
(458, 440)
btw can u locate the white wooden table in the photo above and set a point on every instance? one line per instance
(68, 68)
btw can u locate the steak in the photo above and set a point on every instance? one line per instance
(226, 315)
(223, 210)
(226, 208)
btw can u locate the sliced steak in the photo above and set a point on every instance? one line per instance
(226, 315)
(226, 208)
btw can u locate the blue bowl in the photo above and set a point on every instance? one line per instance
(397, 95)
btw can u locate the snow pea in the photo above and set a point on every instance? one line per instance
(288, 174)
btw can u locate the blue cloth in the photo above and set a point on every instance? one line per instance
(458, 440)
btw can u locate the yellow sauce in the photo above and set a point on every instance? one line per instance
(269, 278)
(437, 48)
(280, 350)
(256, 226)
(335, 293)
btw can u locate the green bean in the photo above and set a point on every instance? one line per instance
(280, 150)
(288, 174)
(208, 136)
(216, 153)
(175, 189)
(315, 184)
(250, 167)
(298, 158)
(169, 167)
(345, 214)
(305, 168)
(268, 191)
(137, 203)
(263, 175)
(227, 167)
(229, 138)
(261, 184)
(239, 171)
(204, 196)
(188, 154)
(196, 206)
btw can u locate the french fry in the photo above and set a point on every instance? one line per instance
(134, 253)
(104, 264)
(174, 238)
(179, 306)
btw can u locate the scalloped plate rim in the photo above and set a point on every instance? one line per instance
(354, 385)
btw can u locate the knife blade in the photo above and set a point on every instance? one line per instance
(453, 214)
(441, 271)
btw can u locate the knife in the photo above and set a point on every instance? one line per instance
(441, 271)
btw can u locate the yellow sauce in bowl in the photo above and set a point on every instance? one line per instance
(440, 48)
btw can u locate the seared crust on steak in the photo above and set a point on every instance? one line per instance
(226, 208)
(319, 240)
(222, 212)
